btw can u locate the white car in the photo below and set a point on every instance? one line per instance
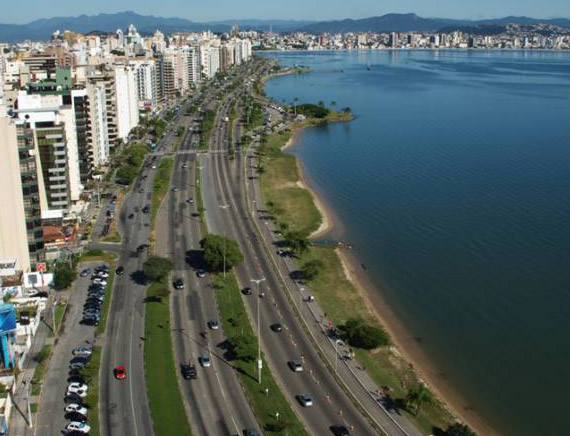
(78, 389)
(305, 400)
(78, 426)
(76, 408)
(102, 275)
(100, 282)
(205, 361)
(82, 351)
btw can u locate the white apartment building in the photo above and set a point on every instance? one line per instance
(193, 64)
(126, 95)
(146, 83)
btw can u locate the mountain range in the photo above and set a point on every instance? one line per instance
(42, 29)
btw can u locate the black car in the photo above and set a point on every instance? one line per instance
(131, 216)
(250, 432)
(72, 398)
(178, 284)
(142, 248)
(339, 430)
(189, 371)
(77, 417)
(246, 291)
(276, 327)
(120, 271)
(90, 321)
(76, 379)
(146, 209)
(85, 272)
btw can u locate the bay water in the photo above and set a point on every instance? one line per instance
(453, 185)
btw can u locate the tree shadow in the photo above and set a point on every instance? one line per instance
(152, 299)
(195, 259)
(297, 275)
(436, 431)
(139, 278)
(395, 405)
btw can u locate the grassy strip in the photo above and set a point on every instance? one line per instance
(161, 183)
(200, 202)
(167, 408)
(207, 124)
(59, 313)
(295, 207)
(42, 359)
(180, 134)
(235, 322)
(91, 374)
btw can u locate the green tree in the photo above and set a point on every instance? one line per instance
(242, 347)
(298, 242)
(346, 110)
(418, 397)
(217, 247)
(63, 277)
(127, 174)
(361, 335)
(459, 430)
(312, 269)
(157, 268)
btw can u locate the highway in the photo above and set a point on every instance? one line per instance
(223, 183)
(215, 401)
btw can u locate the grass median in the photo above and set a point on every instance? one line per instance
(161, 183)
(91, 374)
(236, 323)
(42, 359)
(167, 409)
(294, 206)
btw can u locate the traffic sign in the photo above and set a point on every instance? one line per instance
(41, 267)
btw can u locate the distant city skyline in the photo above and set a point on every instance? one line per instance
(319, 10)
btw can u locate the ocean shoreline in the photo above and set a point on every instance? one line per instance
(405, 344)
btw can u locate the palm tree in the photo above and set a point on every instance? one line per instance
(295, 100)
(418, 397)
(333, 103)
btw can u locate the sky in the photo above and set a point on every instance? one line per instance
(315, 10)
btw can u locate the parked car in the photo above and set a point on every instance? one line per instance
(76, 408)
(85, 272)
(78, 427)
(82, 351)
(214, 324)
(201, 273)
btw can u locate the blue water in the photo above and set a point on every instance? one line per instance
(453, 185)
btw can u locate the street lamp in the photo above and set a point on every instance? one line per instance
(300, 297)
(336, 342)
(225, 207)
(259, 362)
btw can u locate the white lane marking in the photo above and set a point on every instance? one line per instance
(131, 378)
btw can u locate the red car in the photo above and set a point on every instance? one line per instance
(120, 373)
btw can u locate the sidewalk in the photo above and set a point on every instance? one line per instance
(19, 421)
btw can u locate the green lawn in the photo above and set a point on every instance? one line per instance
(207, 125)
(59, 313)
(235, 322)
(42, 359)
(167, 409)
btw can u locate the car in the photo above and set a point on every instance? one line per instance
(71, 398)
(141, 191)
(90, 321)
(246, 291)
(339, 430)
(153, 166)
(120, 372)
(189, 371)
(82, 351)
(100, 281)
(190, 201)
(78, 427)
(101, 275)
(85, 272)
(146, 209)
(201, 273)
(175, 189)
(142, 248)
(102, 267)
(178, 284)
(205, 361)
(304, 400)
(75, 387)
(95, 297)
(81, 394)
(250, 432)
(77, 417)
(214, 324)
(276, 327)
(120, 271)
(76, 378)
(295, 365)
(76, 408)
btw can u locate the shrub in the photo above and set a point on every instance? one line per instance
(361, 335)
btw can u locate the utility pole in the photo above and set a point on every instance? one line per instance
(259, 361)
(30, 422)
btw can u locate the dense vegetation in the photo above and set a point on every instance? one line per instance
(359, 334)
(216, 248)
(132, 159)
(63, 277)
(156, 268)
(312, 110)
